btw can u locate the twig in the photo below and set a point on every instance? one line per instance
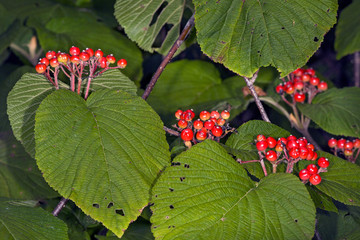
(60, 205)
(249, 161)
(189, 25)
(250, 84)
(357, 69)
(171, 131)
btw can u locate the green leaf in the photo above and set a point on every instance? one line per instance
(345, 225)
(23, 101)
(347, 34)
(244, 146)
(322, 200)
(336, 111)
(245, 35)
(20, 177)
(104, 153)
(144, 22)
(27, 223)
(341, 181)
(208, 195)
(195, 84)
(56, 31)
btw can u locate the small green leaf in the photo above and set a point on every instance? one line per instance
(20, 177)
(245, 35)
(23, 101)
(27, 223)
(347, 40)
(144, 21)
(336, 111)
(208, 195)
(341, 181)
(104, 153)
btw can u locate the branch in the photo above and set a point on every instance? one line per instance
(189, 25)
(250, 84)
(357, 69)
(171, 131)
(60, 205)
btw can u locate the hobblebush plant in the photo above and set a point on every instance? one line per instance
(125, 166)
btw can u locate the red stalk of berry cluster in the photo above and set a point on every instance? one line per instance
(76, 65)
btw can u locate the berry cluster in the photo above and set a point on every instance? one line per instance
(210, 125)
(75, 65)
(350, 149)
(301, 82)
(291, 150)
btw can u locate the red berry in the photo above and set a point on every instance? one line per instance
(45, 61)
(280, 89)
(54, 62)
(75, 59)
(63, 58)
(348, 145)
(221, 122)
(260, 137)
(299, 85)
(188, 115)
(271, 155)
(103, 62)
(310, 146)
(291, 144)
(315, 179)
(209, 124)
(225, 114)
(299, 97)
(314, 157)
(213, 119)
(89, 51)
(178, 113)
(314, 81)
(310, 154)
(217, 131)
(348, 152)
(74, 51)
(187, 134)
(110, 58)
(312, 169)
(303, 152)
(332, 143)
(182, 123)
(341, 143)
(322, 86)
(279, 148)
(282, 140)
(201, 135)
(214, 114)
(204, 115)
(261, 145)
(291, 137)
(303, 139)
(98, 53)
(299, 72)
(301, 142)
(294, 153)
(289, 88)
(304, 174)
(271, 142)
(310, 71)
(306, 77)
(323, 162)
(50, 54)
(84, 56)
(198, 124)
(40, 68)
(122, 63)
(357, 143)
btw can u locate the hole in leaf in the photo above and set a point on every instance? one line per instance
(110, 205)
(171, 189)
(105, 198)
(316, 39)
(175, 164)
(315, 25)
(120, 212)
(158, 12)
(282, 28)
(328, 10)
(295, 220)
(182, 178)
(155, 195)
(95, 205)
(187, 166)
(171, 207)
(258, 51)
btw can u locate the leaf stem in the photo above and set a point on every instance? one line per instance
(357, 69)
(60, 205)
(189, 25)
(250, 84)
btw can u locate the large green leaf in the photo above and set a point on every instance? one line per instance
(23, 101)
(341, 181)
(336, 111)
(56, 31)
(103, 153)
(245, 35)
(20, 177)
(347, 33)
(243, 145)
(143, 22)
(19, 222)
(208, 195)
